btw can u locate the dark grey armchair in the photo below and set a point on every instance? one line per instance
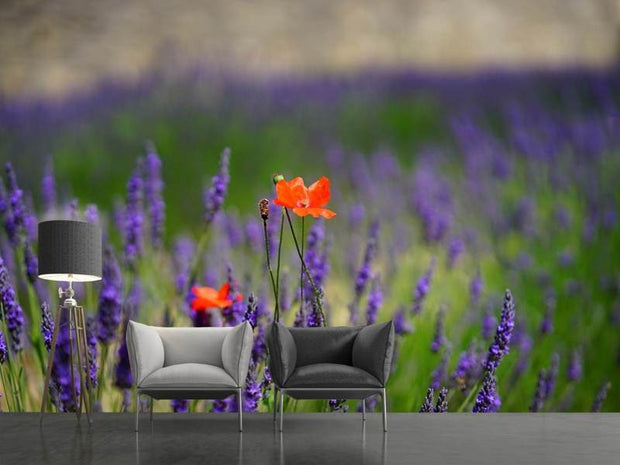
(330, 363)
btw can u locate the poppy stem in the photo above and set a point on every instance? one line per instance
(301, 272)
(278, 264)
(276, 315)
(317, 293)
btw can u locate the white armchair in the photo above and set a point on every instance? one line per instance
(189, 363)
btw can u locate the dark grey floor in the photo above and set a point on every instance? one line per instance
(324, 439)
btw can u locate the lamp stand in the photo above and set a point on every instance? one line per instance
(77, 334)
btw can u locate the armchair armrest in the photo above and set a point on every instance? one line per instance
(236, 351)
(373, 349)
(282, 353)
(146, 350)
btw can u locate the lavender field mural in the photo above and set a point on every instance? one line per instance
(478, 211)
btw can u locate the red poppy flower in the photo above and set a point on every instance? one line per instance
(207, 297)
(304, 200)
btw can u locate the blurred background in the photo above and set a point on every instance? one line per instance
(476, 144)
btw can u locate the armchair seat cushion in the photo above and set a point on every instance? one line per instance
(189, 375)
(331, 375)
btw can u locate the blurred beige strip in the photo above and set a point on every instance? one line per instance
(53, 47)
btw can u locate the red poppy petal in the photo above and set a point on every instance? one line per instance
(319, 193)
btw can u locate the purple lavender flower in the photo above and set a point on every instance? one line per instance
(48, 187)
(91, 213)
(316, 260)
(524, 344)
(371, 404)
(15, 221)
(253, 235)
(3, 349)
(552, 375)
(401, 325)
(575, 365)
(439, 338)
(179, 405)
(375, 300)
(252, 393)
(338, 405)
(488, 324)
(251, 314)
(8, 220)
(455, 250)
(214, 196)
(601, 395)
(134, 218)
(356, 215)
(538, 400)
(123, 378)
(546, 325)
(60, 386)
(153, 186)
(488, 399)
(47, 326)
(31, 263)
(475, 288)
(110, 298)
(12, 311)
(468, 368)
(91, 343)
(500, 346)
(427, 405)
(234, 314)
(71, 210)
(365, 271)
(315, 319)
(439, 374)
(183, 253)
(422, 288)
(442, 401)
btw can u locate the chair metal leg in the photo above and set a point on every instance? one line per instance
(137, 409)
(383, 396)
(240, 405)
(281, 409)
(363, 409)
(275, 402)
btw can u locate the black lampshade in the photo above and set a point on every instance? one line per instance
(69, 248)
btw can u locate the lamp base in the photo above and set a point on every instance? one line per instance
(77, 337)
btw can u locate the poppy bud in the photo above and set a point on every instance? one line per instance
(263, 207)
(277, 178)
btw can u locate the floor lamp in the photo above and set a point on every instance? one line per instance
(70, 251)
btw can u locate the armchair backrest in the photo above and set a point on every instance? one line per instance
(324, 345)
(193, 345)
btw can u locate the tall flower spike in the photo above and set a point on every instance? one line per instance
(475, 288)
(153, 186)
(13, 312)
(601, 395)
(422, 288)
(442, 401)
(500, 346)
(3, 349)
(488, 400)
(401, 325)
(91, 342)
(47, 326)
(215, 195)
(538, 400)
(365, 271)
(552, 375)
(439, 374)
(427, 405)
(439, 339)
(110, 297)
(134, 218)
(375, 300)
(575, 365)
(48, 187)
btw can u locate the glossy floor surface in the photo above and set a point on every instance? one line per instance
(313, 438)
